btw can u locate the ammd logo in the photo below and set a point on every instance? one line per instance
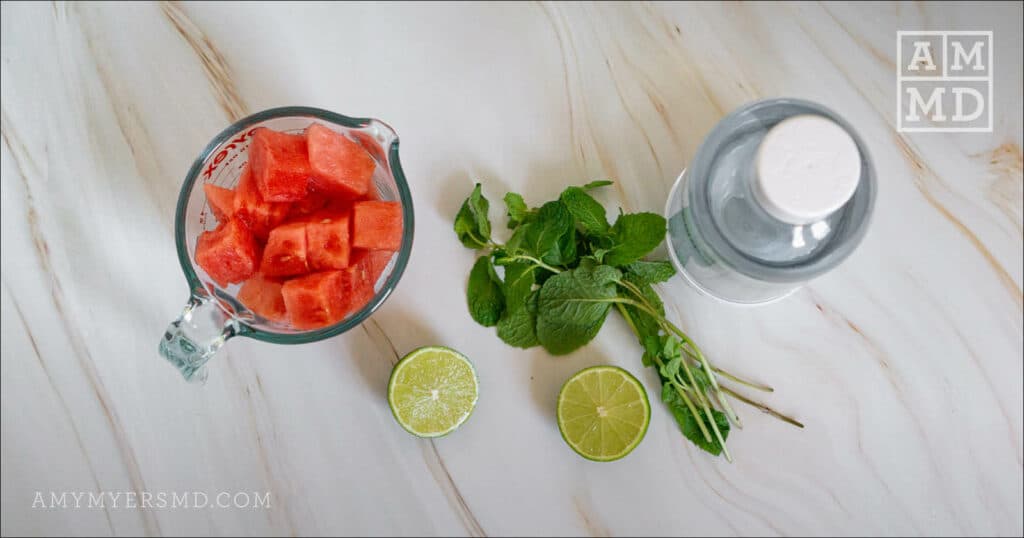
(944, 81)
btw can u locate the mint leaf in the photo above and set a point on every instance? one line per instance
(671, 348)
(588, 212)
(516, 244)
(671, 368)
(652, 348)
(567, 247)
(552, 235)
(518, 285)
(484, 295)
(643, 272)
(518, 327)
(598, 183)
(688, 423)
(471, 223)
(701, 378)
(633, 236)
(573, 305)
(532, 302)
(672, 351)
(589, 266)
(518, 212)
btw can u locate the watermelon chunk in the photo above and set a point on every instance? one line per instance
(280, 165)
(339, 165)
(228, 253)
(315, 300)
(220, 200)
(328, 241)
(376, 260)
(339, 205)
(262, 295)
(285, 253)
(249, 206)
(377, 225)
(357, 285)
(313, 202)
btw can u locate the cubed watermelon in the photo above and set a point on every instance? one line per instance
(220, 200)
(262, 295)
(328, 241)
(315, 300)
(285, 253)
(357, 285)
(339, 205)
(376, 260)
(261, 216)
(280, 164)
(313, 202)
(377, 225)
(228, 253)
(339, 165)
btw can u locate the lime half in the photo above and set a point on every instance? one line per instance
(432, 391)
(603, 413)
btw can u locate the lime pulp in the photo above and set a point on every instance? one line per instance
(603, 413)
(432, 391)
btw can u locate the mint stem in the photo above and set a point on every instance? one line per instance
(707, 411)
(682, 392)
(741, 381)
(483, 244)
(535, 261)
(763, 408)
(646, 306)
(732, 377)
(679, 388)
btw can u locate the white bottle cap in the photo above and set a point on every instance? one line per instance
(807, 167)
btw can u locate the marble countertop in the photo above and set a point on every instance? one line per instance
(905, 363)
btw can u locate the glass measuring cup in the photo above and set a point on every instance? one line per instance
(213, 314)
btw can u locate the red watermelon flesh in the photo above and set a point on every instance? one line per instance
(220, 200)
(280, 164)
(263, 296)
(379, 260)
(327, 238)
(315, 300)
(339, 205)
(339, 164)
(376, 260)
(377, 225)
(261, 216)
(286, 253)
(228, 253)
(357, 285)
(313, 202)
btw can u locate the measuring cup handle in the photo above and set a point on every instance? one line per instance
(197, 334)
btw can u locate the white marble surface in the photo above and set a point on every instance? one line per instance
(905, 363)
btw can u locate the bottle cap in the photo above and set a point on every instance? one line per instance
(807, 167)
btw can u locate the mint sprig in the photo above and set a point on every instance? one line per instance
(565, 268)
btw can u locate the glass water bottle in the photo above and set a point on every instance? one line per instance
(780, 192)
